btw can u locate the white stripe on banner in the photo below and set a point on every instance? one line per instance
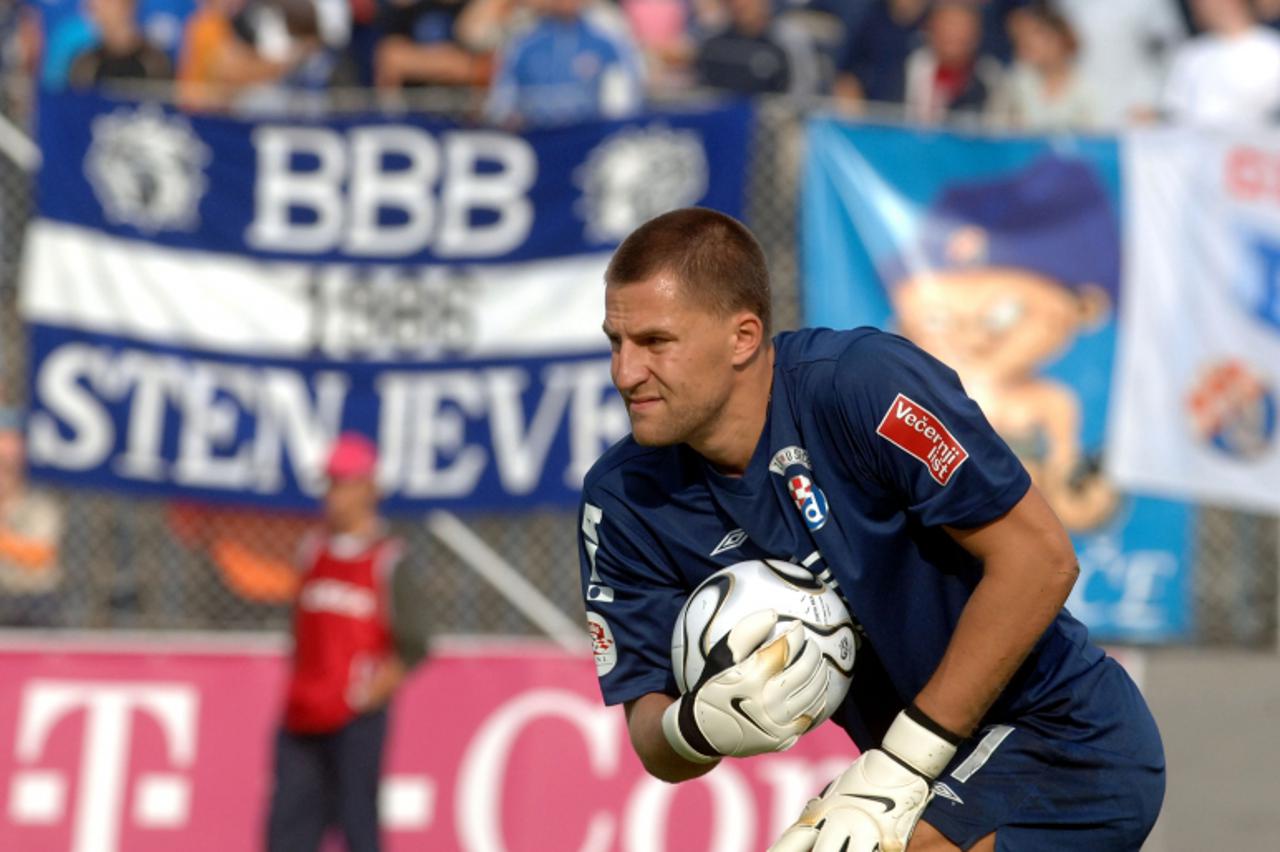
(81, 278)
(996, 734)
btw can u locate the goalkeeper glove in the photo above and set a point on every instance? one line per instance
(749, 699)
(880, 797)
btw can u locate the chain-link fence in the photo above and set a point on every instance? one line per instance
(131, 563)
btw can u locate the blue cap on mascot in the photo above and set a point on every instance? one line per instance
(1052, 217)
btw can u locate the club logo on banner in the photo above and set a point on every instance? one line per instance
(147, 169)
(1012, 278)
(211, 300)
(638, 174)
(1233, 409)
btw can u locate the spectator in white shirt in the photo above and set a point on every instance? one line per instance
(1125, 47)
(1228, 75)
(1045, 91)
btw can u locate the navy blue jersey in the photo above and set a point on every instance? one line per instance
(870, 448)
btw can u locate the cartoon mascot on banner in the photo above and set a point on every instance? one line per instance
(1003, 278)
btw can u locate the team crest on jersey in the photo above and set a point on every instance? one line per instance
(918, 432)
(603, 648)
(788, 456)
(809, 499)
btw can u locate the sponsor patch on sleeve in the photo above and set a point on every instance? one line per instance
(918, 432)
(603, 647)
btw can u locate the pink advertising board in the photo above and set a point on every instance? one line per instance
(154, 745)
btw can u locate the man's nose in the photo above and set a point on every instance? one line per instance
(630, 366)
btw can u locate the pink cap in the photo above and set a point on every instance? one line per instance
(353, 456)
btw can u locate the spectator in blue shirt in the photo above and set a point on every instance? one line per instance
(576, 61)
(873, 64)
(756, 52)
(68, 31)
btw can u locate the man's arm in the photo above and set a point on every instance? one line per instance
(644, 724)
(1029, 567)
(399, 60)
(410, 624)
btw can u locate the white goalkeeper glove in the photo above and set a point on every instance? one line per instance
(750, 699)
(880, 797)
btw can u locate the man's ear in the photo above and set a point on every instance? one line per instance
(1094, 305)
(748, 337)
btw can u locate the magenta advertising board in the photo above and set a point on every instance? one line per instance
(110, 745)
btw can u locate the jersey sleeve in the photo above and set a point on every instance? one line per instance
(911, 426)
(631, 600)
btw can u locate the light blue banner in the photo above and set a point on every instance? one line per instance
(1002, 257)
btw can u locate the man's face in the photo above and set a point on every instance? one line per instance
(350, 501)
(1217, 14)
(113, 12)
(750, 15)
(954, 31)
(672, 360)
(993, 323)
(1039, 45)
(557, 8)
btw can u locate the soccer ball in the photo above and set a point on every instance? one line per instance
(731, 594)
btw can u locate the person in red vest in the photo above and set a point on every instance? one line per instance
(354, 641)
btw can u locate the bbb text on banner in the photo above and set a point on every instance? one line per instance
(1002, 258)
(212, 299)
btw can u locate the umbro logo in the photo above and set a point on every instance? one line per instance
(943, 791)
(735, 538)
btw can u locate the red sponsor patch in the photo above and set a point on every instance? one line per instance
(915, 429)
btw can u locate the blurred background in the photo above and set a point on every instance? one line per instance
(230, 229)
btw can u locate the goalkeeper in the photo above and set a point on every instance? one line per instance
(985, 717)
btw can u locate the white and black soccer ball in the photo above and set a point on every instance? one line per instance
(732, 593)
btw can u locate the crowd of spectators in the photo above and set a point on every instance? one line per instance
(1034, 64)
(1039, 65)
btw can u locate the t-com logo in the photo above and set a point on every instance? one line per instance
(39, 795)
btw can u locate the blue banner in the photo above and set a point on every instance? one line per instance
(1002, 257)
(212, 300)
(152, 419)
(375, 188)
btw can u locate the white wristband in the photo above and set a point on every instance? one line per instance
(671, 730)
(918, 747)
